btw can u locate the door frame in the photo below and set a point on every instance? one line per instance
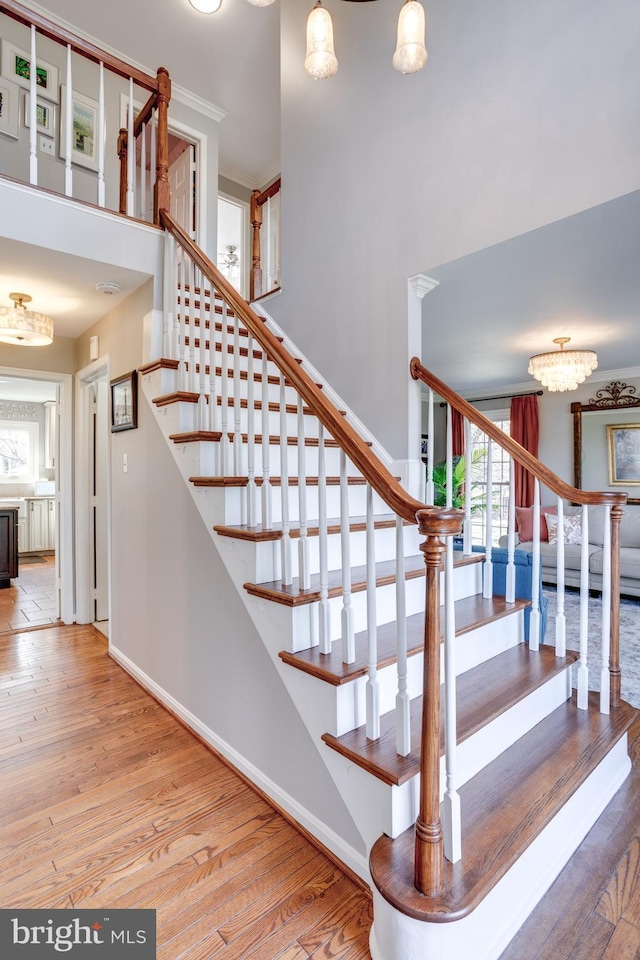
(85, 606)
(64, 546)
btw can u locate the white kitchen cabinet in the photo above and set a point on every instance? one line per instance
(41, 523)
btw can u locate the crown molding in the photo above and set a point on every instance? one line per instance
(422, 284)
(252, 183)
(197, 103)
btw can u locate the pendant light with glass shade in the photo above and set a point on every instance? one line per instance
(409, 57)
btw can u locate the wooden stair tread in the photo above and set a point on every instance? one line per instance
(505, 807)
(483, 693)
(292, 595)
(257, 534)
(471, 612)
(219, 481)
(194, 436)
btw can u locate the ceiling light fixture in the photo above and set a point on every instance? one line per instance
(562, 369)
(409, 57)
(206, 6)
(24, 327)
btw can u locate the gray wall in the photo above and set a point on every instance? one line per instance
(525, 113)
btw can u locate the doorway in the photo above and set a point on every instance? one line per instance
(93, 587)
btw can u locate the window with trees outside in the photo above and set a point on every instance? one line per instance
(500, 466)
(19, 444)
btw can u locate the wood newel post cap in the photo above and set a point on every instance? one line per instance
(440, 521)
(164, 82)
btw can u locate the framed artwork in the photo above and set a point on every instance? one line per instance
(624, 454)
(124, 402)
(45, 115)
(15, 65)
(84, 132)
(9, 94)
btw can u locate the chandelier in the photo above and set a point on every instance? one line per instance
(563, 369)
(321, 61)
(24, 327)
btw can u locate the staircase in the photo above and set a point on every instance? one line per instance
(333, 570)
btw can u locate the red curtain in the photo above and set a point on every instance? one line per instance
(457, 433)
(525, 429)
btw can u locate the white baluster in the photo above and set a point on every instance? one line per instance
(488, 562)
(304, 572)
(324, 613)
(251, 440)
(183, 378)
(561, 623)
(68, 172)
(101, 134)
(348, 637)
(268, 271)
(142, 201)
(131, 155)
(605, 676)
(203, 407)
(429, 495)
(178, 300)
(169, 294)
(215, 409)
(583, 668)
(237, 408)
(449, 460)
(534, 618)
(452, 821)
(152, 162)
(33, 108)
(286, 575)
(403, 703)
(466, 528)
(373, 687)
(193, 381)
(266, 481)
(225, 442)
(510, 585)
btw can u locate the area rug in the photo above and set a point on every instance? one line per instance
(629, 638)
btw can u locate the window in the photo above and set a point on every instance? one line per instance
(500, 466)
(19, 446)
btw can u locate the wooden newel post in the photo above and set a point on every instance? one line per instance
(122, 155)
(255, 279)
(434, 523)
(614, 646)
(162, 190)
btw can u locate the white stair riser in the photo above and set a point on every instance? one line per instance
(203, 453)
(488, 641)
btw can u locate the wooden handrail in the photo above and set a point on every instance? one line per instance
(382, 481)
(17, 11)
(513, 448)
(258, 200)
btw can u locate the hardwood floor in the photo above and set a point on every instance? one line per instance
(107, 801)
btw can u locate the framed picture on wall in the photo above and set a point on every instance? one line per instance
(84, 130)
(45, 115)
(15, 65)
(624, 454)
(9, 93)
(124, 402)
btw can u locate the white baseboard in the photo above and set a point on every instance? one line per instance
(354, 860)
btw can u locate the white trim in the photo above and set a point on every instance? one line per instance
(246, 237)
(64, 483)
(347, 854)
(84, 522)
(271, 173)
(421, 284)
(197, 103)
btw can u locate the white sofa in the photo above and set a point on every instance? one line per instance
(629, 551)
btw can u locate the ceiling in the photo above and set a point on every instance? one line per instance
(577, 278)
(230, 59)
(62, 286)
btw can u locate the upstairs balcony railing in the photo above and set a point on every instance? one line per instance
(265, 250)
(73, 117)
